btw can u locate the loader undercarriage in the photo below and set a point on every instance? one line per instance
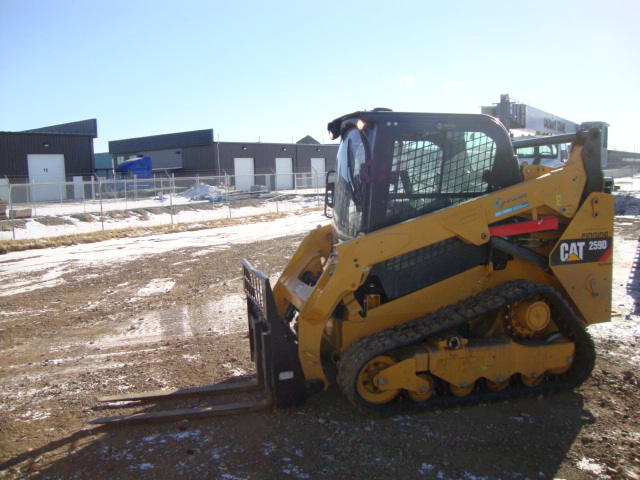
(436, 367)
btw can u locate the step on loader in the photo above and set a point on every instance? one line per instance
(450, 274)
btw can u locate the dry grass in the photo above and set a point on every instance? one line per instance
(27, 244)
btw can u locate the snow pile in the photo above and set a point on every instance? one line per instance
(627, 204)
(204, 192)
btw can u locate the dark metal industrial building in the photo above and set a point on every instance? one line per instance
(55, 154)
(69, 148)
(64, 153)
(191, 153)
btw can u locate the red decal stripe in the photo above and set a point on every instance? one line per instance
(606, 256)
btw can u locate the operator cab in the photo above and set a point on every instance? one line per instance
(394, 166)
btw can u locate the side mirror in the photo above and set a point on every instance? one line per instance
(329, 190)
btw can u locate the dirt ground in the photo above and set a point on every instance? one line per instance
(176, 319)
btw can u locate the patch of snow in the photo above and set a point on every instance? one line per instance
(186, 434)
(591, 466)
(228, 315)
(14, 266)
(31, 416)
(228, 476)
(269, 448)
(624, 331)
(425, 468)
(28, 286)
(157, 285)
(35, 229)
(471, 476)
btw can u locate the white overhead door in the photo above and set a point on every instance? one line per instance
(4, 189)
(284, 173)
(318, 170)
(243, 168)
(47, 169)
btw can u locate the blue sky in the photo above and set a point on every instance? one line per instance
(280, 70)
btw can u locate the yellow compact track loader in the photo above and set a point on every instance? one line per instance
(449, 274)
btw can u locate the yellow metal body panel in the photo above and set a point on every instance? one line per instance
(582, 259)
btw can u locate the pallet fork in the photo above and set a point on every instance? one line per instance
(274, 350)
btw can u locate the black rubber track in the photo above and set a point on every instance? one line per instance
(417, 330)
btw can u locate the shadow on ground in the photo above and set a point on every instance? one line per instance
(527, 438)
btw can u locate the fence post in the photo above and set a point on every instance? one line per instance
(13, 226)
(100, 195)
(170, 196)
(93, 187)
(315, 178)
(274, 181)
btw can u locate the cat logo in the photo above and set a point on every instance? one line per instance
(572, 252)
(578, 250)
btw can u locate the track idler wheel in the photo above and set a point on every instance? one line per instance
(368, 388)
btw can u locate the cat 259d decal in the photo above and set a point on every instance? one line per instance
(582, 250)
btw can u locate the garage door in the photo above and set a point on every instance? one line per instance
(318, 170)
(47, 169)
(284, 173)
(243, 168)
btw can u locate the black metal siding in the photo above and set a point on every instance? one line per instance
(83, 127)
(265, 154)
(200, 154)
(15, 146)
(161, 142)
(307, 152)
(201, 160)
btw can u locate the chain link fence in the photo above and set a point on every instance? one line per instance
(622, 172)
(35, 210)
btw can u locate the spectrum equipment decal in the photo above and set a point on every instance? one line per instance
(583, 250)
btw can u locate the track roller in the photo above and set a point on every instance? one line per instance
(462, 390)
(531, 381)
(425, 392)
(497, 386)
